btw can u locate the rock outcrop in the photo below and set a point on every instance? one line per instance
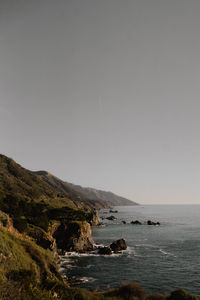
(94, 220)
(74, 236)
(42, 238)
(118, 245)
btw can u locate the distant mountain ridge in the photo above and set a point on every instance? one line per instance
(110, 198)
(43, 186)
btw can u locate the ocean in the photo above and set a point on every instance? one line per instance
(161, 258)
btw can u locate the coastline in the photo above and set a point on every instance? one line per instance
(150, 246)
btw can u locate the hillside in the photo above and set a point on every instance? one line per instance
(95, 198)
(40, 217)
(108, 198)
(42, 187)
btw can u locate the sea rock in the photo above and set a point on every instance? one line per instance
(111, 218)
(124, 222)
(74, 236)
(136, 222)
(105, 251)
(113, 211)
(118, 245)
(149, 222)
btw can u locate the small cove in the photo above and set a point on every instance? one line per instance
(161, 258)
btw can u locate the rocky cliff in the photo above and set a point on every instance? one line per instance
(74, 236)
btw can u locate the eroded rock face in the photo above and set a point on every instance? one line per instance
(74, 236)
(95, 221)
(42, 238)
(118, 245)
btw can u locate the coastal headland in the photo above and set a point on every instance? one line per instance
(42, 217)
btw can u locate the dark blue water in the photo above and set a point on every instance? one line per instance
(161, 258)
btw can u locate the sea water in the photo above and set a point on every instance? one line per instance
(161, 258)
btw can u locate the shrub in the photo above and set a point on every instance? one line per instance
(156, 297)
(181, 294)
(128, 291)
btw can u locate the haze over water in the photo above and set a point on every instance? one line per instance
(161, 258)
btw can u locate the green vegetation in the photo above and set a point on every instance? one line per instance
(28, 272)
(181, 294)
(31, 205)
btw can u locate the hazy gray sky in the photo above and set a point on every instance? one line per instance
(104, 93)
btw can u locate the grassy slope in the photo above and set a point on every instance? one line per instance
(28, 271)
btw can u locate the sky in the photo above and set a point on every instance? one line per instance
(104, 94)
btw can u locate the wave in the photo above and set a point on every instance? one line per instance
(93, 254)
(155, 248)
(166, 253)
(86, 279)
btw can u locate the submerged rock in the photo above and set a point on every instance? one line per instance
(118, 245)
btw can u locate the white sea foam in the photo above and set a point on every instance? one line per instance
(91, 253)
(86, 279)
(132, 252)
(166, 253)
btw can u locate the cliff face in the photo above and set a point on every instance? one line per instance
(94, 218)
(36, 200)
(74, 236)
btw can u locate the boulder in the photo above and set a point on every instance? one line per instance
(105, 251)
(136, 222)
(124, 222)
(118, 245)
(111, 218)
